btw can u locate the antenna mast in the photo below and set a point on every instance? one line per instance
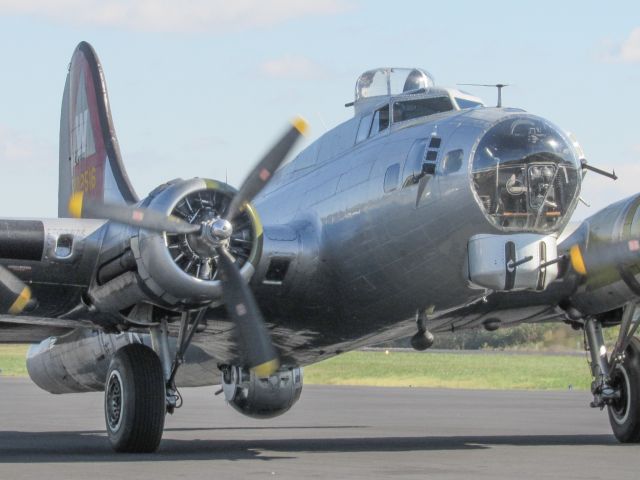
(499, 86)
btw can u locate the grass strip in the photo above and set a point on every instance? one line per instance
(498, 371)
(13, 360)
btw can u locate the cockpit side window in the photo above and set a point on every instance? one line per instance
(364, 128)
(380, 120)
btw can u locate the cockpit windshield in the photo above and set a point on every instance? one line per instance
(422, 107)
(526, 175)
(391, 81)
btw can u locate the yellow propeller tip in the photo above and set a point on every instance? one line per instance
(75, 204)
(301, 125)
(266, 369)
(21, 301)
(577, 261)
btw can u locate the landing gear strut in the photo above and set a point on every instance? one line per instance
(616, 377)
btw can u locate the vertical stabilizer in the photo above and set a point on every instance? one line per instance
(90, 158)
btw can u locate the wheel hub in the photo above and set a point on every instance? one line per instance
(114, 401)
(620, 406)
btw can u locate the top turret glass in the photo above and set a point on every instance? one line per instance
(391, 81)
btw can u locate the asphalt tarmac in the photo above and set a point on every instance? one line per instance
(333, 432)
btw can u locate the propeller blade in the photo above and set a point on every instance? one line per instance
(262, 172)
(14, 294)
(81, 207)
(603, 256)
(260, 354)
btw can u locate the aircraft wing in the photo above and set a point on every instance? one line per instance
(26, 329)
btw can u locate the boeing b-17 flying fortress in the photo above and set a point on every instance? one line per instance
(427, 211)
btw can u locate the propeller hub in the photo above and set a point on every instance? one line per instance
(214, 233)
(221, 229)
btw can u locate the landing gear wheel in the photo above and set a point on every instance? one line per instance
(134, 400)
(624, 413)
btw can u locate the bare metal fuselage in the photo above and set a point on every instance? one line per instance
(369, 258)
(363, 254)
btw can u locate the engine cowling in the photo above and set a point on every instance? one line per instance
(261, 397)
(177, 268)
(614, 282)
(179, 271)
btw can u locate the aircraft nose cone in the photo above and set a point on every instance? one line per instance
(526, 174)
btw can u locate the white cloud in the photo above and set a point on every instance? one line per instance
(211, 16)
(292, 67)
(628, 51)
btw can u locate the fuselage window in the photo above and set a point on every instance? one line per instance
(364, 128)
(452, 161)
(391, 178)
(423, 107)
(380, 120)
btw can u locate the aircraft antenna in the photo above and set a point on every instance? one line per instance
(499, 86)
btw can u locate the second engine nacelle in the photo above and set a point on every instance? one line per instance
(615, 279)
(261, 397)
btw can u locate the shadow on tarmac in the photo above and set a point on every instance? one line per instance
(91, 446)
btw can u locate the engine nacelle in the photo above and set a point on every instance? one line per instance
(262, 397)
(613, 284)
(76, 362)
(175, 270)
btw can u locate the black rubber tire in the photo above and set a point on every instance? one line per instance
(624, 414)
(135, 423)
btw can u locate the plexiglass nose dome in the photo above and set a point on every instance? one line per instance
(526, 175)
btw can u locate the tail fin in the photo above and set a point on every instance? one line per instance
(90, 158)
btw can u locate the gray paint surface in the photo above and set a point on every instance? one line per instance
(333, 432)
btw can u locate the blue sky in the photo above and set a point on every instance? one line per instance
(200, 88)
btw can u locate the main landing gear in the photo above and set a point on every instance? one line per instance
(140, 388)
(616, 377)
(134, 400)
